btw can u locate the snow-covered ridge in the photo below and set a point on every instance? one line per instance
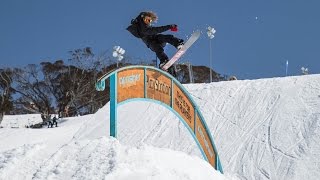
(263, 129)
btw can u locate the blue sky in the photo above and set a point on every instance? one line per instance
(254, 38)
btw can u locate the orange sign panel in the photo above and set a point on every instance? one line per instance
(158, 88)
(205, 142)
(130, 84)
(183, 106)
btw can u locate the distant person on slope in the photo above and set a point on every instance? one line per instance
(141, 28)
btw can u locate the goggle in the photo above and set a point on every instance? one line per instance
(147, 19)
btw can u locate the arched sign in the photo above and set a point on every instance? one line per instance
(146, 82)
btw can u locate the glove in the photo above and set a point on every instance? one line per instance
(173, 27)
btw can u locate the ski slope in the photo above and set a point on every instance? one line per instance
(263, 129)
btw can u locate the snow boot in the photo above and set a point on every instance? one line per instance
(180, 44)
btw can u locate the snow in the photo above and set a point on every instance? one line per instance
(263, 129)
(18, 121)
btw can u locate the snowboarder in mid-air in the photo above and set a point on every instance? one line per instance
(141, 28)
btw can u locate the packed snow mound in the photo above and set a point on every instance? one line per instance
(102, 158)
(79, 148)
(106, 158)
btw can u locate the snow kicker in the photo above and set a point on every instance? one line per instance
(146, 83)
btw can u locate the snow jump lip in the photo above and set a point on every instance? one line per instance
(147, 83)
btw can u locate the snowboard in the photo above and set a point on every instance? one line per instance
(193, 38)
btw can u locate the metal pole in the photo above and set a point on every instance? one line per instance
(190, 71)
(210, 60)
(287, 64)
(113, 106)
(211, 31)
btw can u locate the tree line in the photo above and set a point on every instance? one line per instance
(68, 88)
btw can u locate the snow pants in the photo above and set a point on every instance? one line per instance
(159, 42)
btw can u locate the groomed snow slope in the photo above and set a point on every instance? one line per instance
(263, 129)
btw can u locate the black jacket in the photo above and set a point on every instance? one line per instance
(148, 33)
